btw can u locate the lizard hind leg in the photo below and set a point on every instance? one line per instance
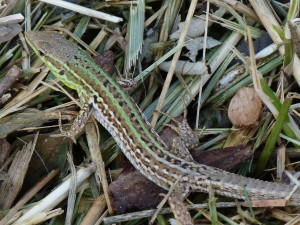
(186, 140)
(179, 209)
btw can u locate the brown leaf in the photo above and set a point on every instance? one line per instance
(229, 159)
(4, 151)
(106, 62)
(133, 191)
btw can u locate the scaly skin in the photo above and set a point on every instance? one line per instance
(115, 110)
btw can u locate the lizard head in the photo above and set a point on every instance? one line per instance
(51, 44)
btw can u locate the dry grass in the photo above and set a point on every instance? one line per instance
(147, 48)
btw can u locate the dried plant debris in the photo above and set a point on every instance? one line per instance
(12, 184)
(4, 151)
(10, 78)
(139, 193)
(49, 155)
(198, 43)
(230, 159)
(9, 31)
(106, 61)
(186, 68)
(169, 56)
(197, 26)
(29, 118)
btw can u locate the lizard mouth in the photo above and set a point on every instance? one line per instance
(38, 41)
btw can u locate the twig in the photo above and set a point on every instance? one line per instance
(148, 213)
(15, 18)
(84, 10)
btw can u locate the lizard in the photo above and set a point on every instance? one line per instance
(139, 142)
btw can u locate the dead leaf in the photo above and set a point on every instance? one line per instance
(134, 191)
(197, 26)
(186, 68)
(106, 62)
(229, 159)
(4, 151)
(197, 43)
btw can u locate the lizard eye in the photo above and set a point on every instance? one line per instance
(61, 72)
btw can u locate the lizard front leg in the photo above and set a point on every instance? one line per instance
(78, 124)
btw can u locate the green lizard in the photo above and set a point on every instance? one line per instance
(115, 110)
